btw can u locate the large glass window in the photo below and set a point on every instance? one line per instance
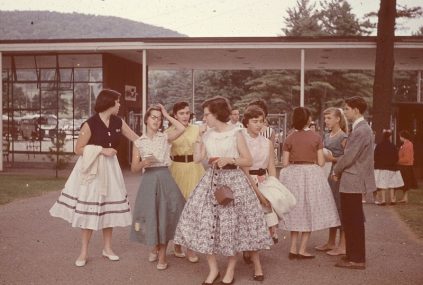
(45, 100)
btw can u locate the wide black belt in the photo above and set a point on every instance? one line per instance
(301, 162)
(183, 158)
(227, 166)
(258, 172)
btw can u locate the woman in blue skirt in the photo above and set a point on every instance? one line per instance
(159, 201)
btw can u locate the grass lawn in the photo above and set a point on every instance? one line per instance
(22, 186)
(412, 213)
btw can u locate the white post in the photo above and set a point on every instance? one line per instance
(419, 86)
(1, 111)
(193, 91)
(302, 78)
(144, 88)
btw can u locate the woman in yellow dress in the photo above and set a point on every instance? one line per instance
(184, 170)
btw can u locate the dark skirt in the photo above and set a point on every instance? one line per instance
(407, 174)
(158, 205)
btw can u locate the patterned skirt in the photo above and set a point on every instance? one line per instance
(157, 208)
(209, 228)
(386, 179)
(85, 207)
(315, 208)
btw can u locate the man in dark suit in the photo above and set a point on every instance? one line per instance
(355, 169)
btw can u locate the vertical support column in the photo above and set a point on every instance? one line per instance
(302, 78)
(1, 111)
(419, 86)
(144, 88)
(193, 91)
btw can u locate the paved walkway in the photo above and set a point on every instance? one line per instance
(38, 249)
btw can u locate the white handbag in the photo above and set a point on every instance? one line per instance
(278, 195)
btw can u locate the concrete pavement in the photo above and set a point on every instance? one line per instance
(38, 249)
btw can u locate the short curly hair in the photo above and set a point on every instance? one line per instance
(148, 113)
(218, 106)
(252, 112)
(261, 104)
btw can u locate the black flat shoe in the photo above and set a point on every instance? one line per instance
(300, 256)
(292, 256)
(247, 258)
(214, 280)
(258, 277)
(232, 282)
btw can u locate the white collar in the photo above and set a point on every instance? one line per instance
(357, 121)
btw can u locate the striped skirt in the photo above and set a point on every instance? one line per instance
(85, 207)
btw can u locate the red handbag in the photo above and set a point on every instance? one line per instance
(223, 193)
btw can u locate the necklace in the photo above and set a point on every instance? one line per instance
(330, 134)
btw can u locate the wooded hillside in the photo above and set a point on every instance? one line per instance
(52, 25)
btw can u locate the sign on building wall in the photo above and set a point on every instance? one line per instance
(130, 93)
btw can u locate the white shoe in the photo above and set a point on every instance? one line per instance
(111, 257)
(80, 263)
(152, 257)
(161, 266)
(179, 254)
(193, 259)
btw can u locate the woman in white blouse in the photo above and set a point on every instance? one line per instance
(159, 201)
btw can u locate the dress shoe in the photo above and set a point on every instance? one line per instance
(351, 265)
(80, 262)
(258, 277)
(292, 256)
(214, 280)
(152, 256)
(161, 266)
(179, 254)
(232, 282)
(335, 252)
(111, 257)
(300, 256)
(193, 259)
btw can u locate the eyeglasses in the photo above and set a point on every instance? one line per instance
(156, 118)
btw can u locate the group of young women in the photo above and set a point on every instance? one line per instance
(176, 198)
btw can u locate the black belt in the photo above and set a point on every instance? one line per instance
(228, 166)
(183, 158)
(258, 172)
(301, 162)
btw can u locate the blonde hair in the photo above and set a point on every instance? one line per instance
(339, 114)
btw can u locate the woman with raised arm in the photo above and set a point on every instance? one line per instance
(182, 155)
(159, 201)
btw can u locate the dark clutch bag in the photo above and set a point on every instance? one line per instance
(224, 195)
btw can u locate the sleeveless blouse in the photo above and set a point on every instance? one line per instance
(259, 150)
(221, 144)
(102, 135)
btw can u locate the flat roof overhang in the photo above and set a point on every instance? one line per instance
(260, 53)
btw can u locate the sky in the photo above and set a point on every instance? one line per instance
(202, 18)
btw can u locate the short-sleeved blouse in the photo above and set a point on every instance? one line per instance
(103, 135)
(334, 143)
(221, 144)
(158, 146)
(259, 150)
(303, 145)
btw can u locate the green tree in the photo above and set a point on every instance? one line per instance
(302, 20)
(337, 18)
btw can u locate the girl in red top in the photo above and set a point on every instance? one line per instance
(405, 162)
